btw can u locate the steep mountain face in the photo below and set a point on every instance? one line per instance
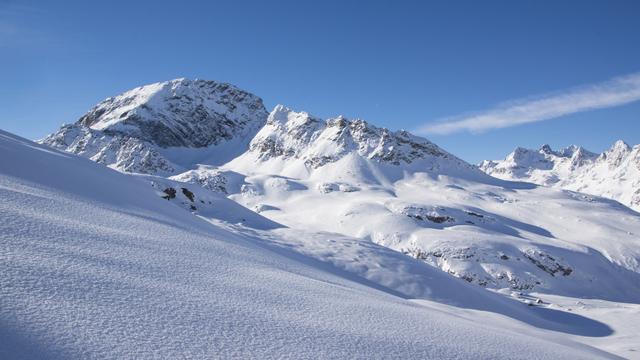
(393, 189)
(135, 131)
(614, 174)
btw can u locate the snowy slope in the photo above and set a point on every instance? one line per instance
(95, 264)
(507, 235)
(430, 205)
(614, 174)
(160, 128)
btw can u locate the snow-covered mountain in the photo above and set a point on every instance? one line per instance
(334, 189)
(299, 145)
(158, 128)
(614, 174)
(96, 264)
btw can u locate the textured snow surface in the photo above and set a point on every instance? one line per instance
(95, 264)
(614, 174)
(621, 317)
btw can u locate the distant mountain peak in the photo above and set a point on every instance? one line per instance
(619, 146)
(546, 149)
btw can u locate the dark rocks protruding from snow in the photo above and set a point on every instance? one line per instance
(547, 263)
(188, 194)
(170, 193)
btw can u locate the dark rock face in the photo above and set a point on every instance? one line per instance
(122, 152)
(547, 263)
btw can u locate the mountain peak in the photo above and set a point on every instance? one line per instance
(524, 155)
(284, 116)
(546, 149)
(179, 112)
(617, 153)
(570, 150)
(620, 146)
(131, 131)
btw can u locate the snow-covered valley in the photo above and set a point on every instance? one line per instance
(235, 232)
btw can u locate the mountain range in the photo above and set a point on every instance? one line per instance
(341, 201)
(353, 178)
(614, 174)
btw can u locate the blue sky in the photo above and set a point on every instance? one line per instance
(402, 65)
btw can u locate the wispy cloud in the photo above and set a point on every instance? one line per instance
(615, 92)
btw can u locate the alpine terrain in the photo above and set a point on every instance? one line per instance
(208, 226)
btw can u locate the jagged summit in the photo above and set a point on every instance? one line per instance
(616, 154)
(620, 145)
(297, 134)
(297, 144)
(546, 149)
(521, 160)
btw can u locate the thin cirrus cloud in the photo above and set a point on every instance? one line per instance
(617, 91)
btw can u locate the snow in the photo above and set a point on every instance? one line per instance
(126, 102)
(360, 220)
(621, 317)
(471, 225)
(95, 264)
(614, 174)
